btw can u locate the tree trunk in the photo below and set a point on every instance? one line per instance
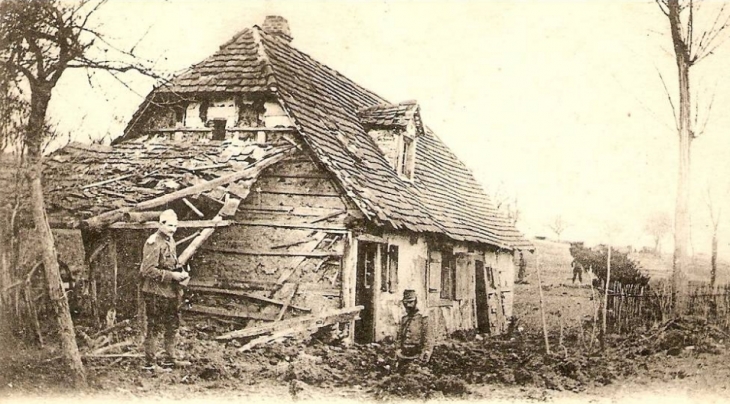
(681, 213)
(713, 261)
(57, 298)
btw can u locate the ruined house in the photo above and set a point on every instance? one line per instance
(299, 192)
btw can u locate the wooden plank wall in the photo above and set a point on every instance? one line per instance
(289, 231)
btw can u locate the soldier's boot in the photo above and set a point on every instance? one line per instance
(172, 357)
(150, 346)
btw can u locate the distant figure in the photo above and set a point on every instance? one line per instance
(522, 267)
(577, 270)
(161, 275)
(414, 341)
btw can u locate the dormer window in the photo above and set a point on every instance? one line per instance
(395, 129)
(407, 156)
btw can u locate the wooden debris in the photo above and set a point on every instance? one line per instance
(109, 181)
(327, 217)
(183, 224)
(113, 346)
(321, 320)
(188, 238)
(287, 302)
(241, 293)
(238, 313)
(192, 207)
(139, 217)
(339, 229)
(229, 208)
(107, 330)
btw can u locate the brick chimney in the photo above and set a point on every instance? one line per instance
(278, 26)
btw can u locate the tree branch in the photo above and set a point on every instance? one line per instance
(669, 97)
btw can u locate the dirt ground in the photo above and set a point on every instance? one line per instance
(683, 361)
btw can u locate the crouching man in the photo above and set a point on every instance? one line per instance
(161, 276)
(414, 341)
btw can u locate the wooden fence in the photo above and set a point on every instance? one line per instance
(632, 307)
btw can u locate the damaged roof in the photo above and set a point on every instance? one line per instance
(332, 114)
(87, 180)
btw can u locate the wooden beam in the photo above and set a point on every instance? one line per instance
(192, 207)
(251, 171)
(109, 181)
(201, 168)
(269, 253)
(323, 319)
(308, 226)
(217, 311)
(184, 224)
(139, 217)
(188, 238)
(229, 207)
(241, 293)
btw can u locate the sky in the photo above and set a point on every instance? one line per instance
(560, 105)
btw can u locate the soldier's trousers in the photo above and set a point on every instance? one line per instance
(163, 314)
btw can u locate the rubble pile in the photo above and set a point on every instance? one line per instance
(464, 360)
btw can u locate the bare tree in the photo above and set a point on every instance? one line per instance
(715, 210)
(558, 225)
(691, 44)
(39, 41)
(657, 226)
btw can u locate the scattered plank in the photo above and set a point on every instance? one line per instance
(113, 346)
(217, 311)
(110, 329)
(329, 216)
(229, 208)
(184, 224)
(188, 238)
(109, 181)
(323, 319)
(291, 225)
(241, 293)
(139, 217)
(287, 302)
(192, 207)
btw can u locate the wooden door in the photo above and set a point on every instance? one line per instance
(481, 297)
(365, 292)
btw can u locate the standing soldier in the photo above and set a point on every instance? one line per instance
(414, 342)
(161, 275)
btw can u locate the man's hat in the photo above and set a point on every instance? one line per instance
(167, 216)
(409, 295)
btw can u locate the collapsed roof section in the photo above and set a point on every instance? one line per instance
(93, 181)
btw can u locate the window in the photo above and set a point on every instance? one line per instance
(389, 269)
(407, 157)
(448, 275)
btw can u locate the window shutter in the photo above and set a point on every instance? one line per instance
(463, 277)
(393, 268)
(434, 270)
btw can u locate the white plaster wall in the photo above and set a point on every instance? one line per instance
(224, 109)
(192, 116)
(275, 115)
(411, 275)
(388, 142)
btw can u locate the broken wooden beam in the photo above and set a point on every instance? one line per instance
(183, 224)
(309, 226)
(322, 319)
(192, 207)
(188, 238)
(139, 217)
(195, 288)
(109, 181)
(237, 313)
(228, 209)
(248, 172)
(269, 253)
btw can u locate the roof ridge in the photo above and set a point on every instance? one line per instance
(314, 61)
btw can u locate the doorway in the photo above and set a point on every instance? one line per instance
(481, 297)
(365, 292)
